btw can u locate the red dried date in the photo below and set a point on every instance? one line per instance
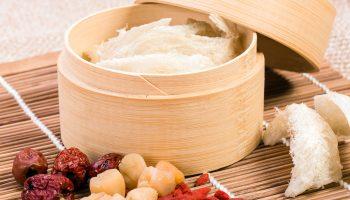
(73, 164)
(27, 163)
(48, 187)
(105, 162)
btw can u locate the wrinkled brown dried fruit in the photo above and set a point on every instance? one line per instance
(73, 164)
(27, 163)
(105, 162)
(48, 187)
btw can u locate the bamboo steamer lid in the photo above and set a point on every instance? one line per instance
(293, 34)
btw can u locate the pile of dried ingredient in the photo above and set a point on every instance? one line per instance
(111, 177)
(159, 48)
(314, 136)
(313, 147)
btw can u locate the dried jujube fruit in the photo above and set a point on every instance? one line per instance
(105, 162)
(27, 163)
(73, 164)
(48, 187)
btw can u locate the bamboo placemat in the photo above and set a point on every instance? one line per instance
(264, 174)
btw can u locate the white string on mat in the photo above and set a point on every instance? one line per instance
(219, 186)
(30, 114)
(316, 82)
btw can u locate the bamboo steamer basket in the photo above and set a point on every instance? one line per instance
(199, 121)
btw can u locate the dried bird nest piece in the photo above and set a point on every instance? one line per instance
(276, 129)
(335, 109)
(313, 147)
(159, 48)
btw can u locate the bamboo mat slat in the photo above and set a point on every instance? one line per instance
(264, 174)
